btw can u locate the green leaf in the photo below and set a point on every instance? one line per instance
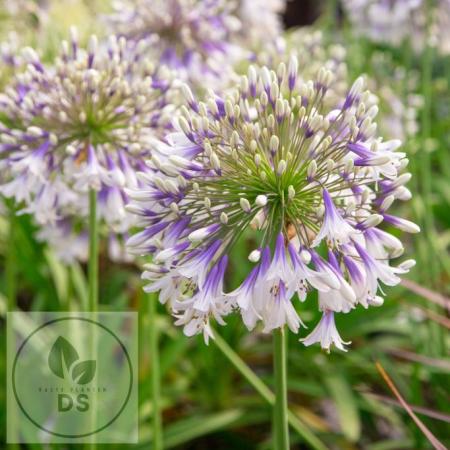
(59, 275)
(84, 371)
(346, 406)
(61, 357)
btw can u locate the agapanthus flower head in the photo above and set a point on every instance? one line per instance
(191, 36)
(384, 21)
(311, 183)
(261, 22)
(87, 122)
(421, 22)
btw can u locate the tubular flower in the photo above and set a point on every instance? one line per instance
(310, 182)
(190, 36)
(85, 123)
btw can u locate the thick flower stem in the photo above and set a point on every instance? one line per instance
(11, 286)
(262, 389)
(93, 284)
(157, 436)
(93, 252)
(280, 411)
(11, 263)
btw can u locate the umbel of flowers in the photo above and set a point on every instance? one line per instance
(189, 36)
(85, 123)
(314, 185)
(423, 22)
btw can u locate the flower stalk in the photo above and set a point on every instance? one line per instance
(280, 410)
(157, 436)
(93, 253)
(265, 392)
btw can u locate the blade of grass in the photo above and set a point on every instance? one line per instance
(194, 427)
(346, 406)
(428, 294)
(428, 434)
(437, 415)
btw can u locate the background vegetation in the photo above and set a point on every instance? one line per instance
(341, 399)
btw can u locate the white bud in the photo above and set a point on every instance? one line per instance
(349, 165)
(292, 70)
(274, 144)
(261, 200)
(291, 192)
(245, 205)
(387, 202)
(372, 221)
(254, 256)
(184, 125)
(215, 162)
(187, 93)
(407, 226)
(229, 109)
(252, 75)
(71, 150)
(200, 234)
(403, 193)
(376, 301)
(224, 218)
(305, 256)
(281, 167)
(312, 169)
(35, 131)
(402, 179)
(407, 265)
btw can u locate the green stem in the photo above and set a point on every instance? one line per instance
(280, 411)
(11, 284)
(93, 283)
(156, 373)
(93, 252)
(426, 177)
(266, 393)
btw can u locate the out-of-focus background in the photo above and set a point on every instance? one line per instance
(340, 397)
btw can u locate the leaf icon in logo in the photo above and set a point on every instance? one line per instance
(84, 371)
(61, 357)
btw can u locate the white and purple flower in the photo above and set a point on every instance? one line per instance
(86, 122)
(312, 183)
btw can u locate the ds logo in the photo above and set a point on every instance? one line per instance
(66, 402)
(62, 386)
(64, 362)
